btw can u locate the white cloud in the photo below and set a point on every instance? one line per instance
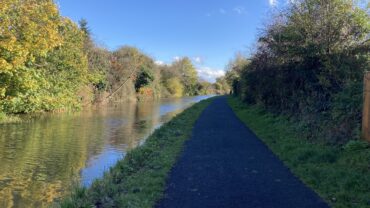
(210, 74)
(239, 10)
(222, 11)
(160, 63)
(176, 58)
(198, 60)
(273, 2)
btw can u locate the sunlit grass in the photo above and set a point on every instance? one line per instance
(139, 179)
(341, 175)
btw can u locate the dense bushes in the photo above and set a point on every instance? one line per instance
(309, 64)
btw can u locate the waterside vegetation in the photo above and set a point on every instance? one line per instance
(63, 69)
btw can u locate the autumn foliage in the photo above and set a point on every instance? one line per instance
(42, 63)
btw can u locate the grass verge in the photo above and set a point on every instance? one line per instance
(139, 179)
(340, 175)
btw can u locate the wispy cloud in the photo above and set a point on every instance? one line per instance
(210, 74)
(273, 2)
(222, 11)
(239, 10)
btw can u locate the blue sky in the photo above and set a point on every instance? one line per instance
(208, 31)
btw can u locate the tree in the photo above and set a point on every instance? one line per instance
(188, 75)
(21, 44)
(205, 88)
(67, 69)
(84, 27)
(42, 63)
(234, 70)
(126, 64)
(221, 86)
(175, 87)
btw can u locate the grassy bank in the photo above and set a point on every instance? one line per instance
(139, 179)
(341, 175)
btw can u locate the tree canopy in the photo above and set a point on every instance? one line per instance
(38, 68)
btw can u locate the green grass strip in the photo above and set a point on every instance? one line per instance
(139, 179)
(340, 175)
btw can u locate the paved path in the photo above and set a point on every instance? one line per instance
(225, 165)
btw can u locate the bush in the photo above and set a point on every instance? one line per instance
(144, 78)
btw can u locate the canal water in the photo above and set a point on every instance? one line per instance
(42, 159)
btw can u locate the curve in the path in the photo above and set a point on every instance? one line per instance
(224, 164)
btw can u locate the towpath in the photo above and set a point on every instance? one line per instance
(224, 164)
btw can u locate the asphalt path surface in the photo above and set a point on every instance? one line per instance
(224, 164)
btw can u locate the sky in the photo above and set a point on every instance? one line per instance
(209, 32)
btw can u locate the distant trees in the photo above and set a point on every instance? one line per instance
(181, 78)
(205, 88)
(221, 86)
(185, 72)
(175, 87)
(129, 63)
(233, 71)
(188, 75)
(309, 63)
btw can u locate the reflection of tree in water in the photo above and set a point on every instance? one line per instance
(140, 118)
(38, 160)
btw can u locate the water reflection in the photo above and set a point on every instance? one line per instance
(40, 160)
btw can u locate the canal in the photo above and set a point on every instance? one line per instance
(42, 159)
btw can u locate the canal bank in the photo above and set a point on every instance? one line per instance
(139, 179)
